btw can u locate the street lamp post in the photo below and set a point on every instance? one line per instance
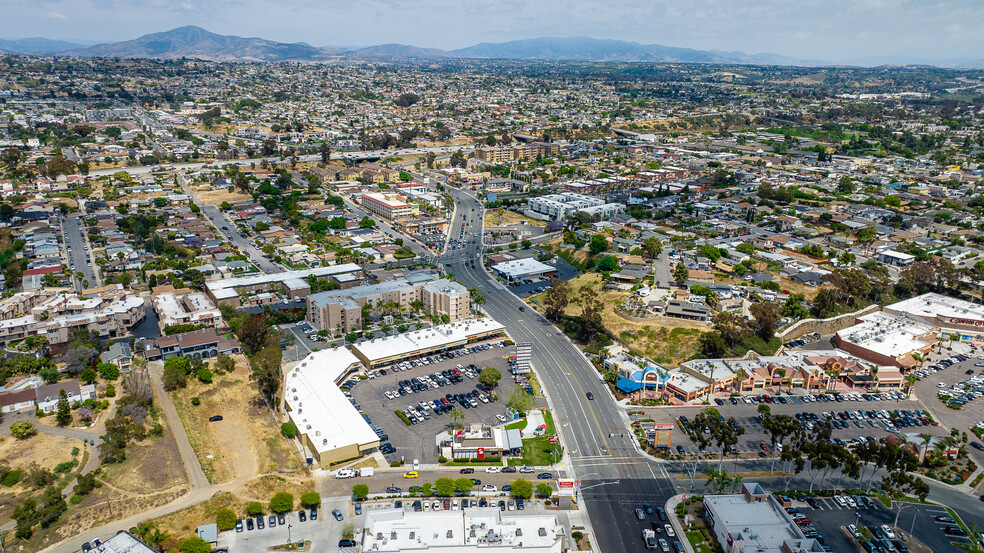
(576, 490)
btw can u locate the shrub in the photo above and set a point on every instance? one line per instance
(288, 430)
(110, 390)
(282, 502)
(194, 544)
(311, 499)
(12, 477)
(196, 401)
(205, 375)
(225, 519)
(76, 499)
(360, 491)
(402, 417)
(22, 429)
(253, 508)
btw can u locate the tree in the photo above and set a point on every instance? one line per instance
(489, 377)
(311, 499)
(522, 488)
(456, 416)
(254, 508)
(204, 375)
(282, 502)
(266, 371)
(845, 185)
(607, 264)
(544, 490)
(463, 485)
(108, 371)
(367, 222)
(88, 375)
(288, 430)
(598, 244)
(252, 332)
(680, 273)
(444, 487)
(78, 358)
(520, 401)
(652, 247)
(225, 519)
(719, 479)
(64, 415)
(225, 363)
(176, 374)
(194, 544)
(360, 491)
(556, 299)
(766, 319)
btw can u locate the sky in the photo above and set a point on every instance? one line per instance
(839, 31)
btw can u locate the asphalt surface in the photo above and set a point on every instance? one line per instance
(225, 227)
(75, 242)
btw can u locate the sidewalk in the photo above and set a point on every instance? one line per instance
(671, 505)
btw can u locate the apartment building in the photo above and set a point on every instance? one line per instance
(293, 284)
(198, 344)
(111, 311)
(176, 306)
(390, 207)
(342, 309)
(559, 206)
(510, 153)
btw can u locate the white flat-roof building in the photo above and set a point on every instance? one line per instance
(384, 351)
(754, 521)
(887, 339)
(482, 530)
(327, 423)
(519, 269)
(949, 314)
(559, 206)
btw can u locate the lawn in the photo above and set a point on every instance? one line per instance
(697, 541)
(538, 451)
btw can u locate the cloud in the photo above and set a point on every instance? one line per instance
(55, 15)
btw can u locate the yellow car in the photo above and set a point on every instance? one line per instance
(411, 474)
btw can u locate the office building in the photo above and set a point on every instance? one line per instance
(389, 207)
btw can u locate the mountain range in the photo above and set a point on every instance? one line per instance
(197, 43)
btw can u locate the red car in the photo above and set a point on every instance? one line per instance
(764, 446)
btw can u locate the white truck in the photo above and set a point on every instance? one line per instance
(649, 537)
(345, 473)
(366, 472)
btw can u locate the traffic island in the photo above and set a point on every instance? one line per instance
(303, 545)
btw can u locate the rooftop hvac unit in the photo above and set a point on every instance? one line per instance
(295, 397)
(318, 433)
(308, 426)
(324, 441)
(293, 390)
(299, 411)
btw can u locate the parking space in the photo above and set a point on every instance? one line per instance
(836, 518)
(855, 417)
(944, 379)
(412, 385)
(565, 271)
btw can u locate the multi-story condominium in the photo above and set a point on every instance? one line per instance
(111, 311)
(559, 206)
(197, 344)
(389, 207)
(342, 309)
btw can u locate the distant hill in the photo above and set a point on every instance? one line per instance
(37, 46)
(399, 51)
(197, 43)
(593, 49)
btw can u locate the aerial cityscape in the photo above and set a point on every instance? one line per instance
(313, 281)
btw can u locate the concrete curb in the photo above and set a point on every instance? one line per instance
(670, 507)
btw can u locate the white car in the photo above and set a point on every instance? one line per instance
(889, 533)
(489, 488)
(491, 470)
(840, 500)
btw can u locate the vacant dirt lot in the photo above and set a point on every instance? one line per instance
(504, 217)
(181, 524)
(667, 340)
(45, 450)
(247, 442)
(211, 196)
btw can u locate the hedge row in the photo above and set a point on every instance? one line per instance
(403, 417)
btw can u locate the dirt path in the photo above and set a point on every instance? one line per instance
(196, 477)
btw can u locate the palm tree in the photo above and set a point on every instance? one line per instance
(782, 374)
(926, 439)
(740, 376)
(910, 380)
(156, 538)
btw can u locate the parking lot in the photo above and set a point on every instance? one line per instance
(943, 379)
(872, 421)
(832, 519)
(324, 532)
(417, 441)
(565, 271)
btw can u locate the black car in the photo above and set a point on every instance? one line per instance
(394, 490)
(648, 508)
(249, 524)
(347, 543)
(467, 471)
(417, 506)
(977, 446)
(239, 525)
(86, 547)
(513, 469)
(314, 513)
(520, 504)
(812, 502)
(259, 523)
(215, 418)
(281, 519)
(680, 450)
(590, 395)
(302, 516)
(719, 401)
(544, 476)
(661, 513)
